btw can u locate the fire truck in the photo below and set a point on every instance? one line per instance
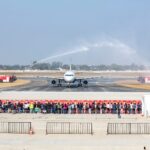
(7, 78)
(144, 79)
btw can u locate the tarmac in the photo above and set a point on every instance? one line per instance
(43, 95)
(94, 85)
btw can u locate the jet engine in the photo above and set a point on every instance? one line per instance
(53, 82)
(85, 82)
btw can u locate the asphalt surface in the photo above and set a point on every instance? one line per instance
(94, 85)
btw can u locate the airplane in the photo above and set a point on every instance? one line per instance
(69, 78)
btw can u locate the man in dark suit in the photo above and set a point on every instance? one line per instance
(118, 110)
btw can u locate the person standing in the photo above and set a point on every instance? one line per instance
(118, 110)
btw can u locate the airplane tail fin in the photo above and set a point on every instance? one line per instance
(70, 67)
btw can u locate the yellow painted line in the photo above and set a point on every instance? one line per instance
(133, 84)
(16, 83)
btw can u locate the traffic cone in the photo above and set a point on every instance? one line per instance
(31, 131)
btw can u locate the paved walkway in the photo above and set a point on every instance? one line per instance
(99, 141)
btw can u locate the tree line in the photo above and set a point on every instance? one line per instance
(60, 65)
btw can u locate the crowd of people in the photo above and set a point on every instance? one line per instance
(70, 107)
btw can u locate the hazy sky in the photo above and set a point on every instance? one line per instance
(76, 31)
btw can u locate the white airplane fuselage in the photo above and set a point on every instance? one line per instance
(69, 76)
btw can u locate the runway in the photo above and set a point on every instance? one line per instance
(94, 85)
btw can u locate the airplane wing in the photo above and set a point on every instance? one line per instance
(56, 81)
(80, 81)
(84, 78)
